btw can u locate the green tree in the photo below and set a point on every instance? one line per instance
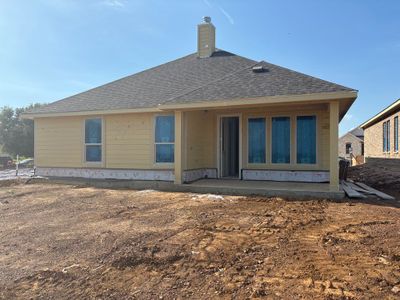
(16, 134)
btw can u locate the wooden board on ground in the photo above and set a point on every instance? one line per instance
(374, 191)
(359, 189)
(350, 192)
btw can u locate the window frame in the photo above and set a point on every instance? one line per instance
(316, 138)
(386, 136)
(94, 163)
(265, 136)
(155, 162)
(291, 133)
(347, 150)
(396, 134)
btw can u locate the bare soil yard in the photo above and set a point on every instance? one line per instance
(60, 241)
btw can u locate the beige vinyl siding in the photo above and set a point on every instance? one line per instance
(324, 142)
(58, 142)
(200, 136)
(129, 141)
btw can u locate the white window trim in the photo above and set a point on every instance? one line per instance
(102, 161)
(155, 162)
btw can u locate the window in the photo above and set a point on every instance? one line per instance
(164, 139)
(362, 148)
(306, 139)
(396, 134)
(281, 140)
(348, 148)
(93, 140)
(256, 137)
(386, 136)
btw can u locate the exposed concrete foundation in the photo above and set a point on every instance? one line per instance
(126, 174)
(215, 186)
(196, 174)
(91, 173)
(293, 176)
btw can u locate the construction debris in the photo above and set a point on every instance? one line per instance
(361, 190)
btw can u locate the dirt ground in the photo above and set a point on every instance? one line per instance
(71, 242)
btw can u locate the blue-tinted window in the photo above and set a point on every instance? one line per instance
(396, 134)
(164, 139)
(93, 131)
(165, 153)
(384, 143)
(93, 140)
(165, 129)
(307, 139)
(388, 137)
(281, 140)
(256, 137)
(93, 153)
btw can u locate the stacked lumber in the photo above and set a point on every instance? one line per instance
(361, 190)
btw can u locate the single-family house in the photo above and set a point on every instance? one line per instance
(381, 133)
(351, 146)
(210, 114)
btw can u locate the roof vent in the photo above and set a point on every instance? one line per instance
(259, 69)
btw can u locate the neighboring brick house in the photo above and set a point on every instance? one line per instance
(351, 146)
(381, 133)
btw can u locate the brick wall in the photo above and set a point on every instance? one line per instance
(355, 144)
(373, 139)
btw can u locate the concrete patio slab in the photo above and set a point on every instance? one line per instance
(296, 190)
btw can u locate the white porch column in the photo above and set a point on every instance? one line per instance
(333, 145)
(178, 150)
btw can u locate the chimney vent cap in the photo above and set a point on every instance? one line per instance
(206, 19)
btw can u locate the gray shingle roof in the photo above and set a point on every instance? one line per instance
(245, 83)
(191, 79)
(358, 132)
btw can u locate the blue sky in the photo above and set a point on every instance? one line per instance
(50, 49)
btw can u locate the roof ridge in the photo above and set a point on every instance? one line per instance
(310, 76)
(213, 81)
(349, 132)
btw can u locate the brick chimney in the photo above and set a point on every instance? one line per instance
(205, 38)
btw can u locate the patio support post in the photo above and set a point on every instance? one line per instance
(178, 158)
(333, 145)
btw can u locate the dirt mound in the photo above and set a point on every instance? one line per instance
(384, 177)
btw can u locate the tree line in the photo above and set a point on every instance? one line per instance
(16, 134)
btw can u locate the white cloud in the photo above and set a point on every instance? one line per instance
(113, 3)
(221, 9)
(226, 14)
(206, 2)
